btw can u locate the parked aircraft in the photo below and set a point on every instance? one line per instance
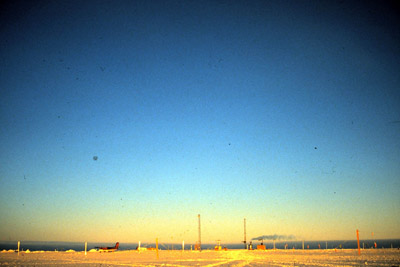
(108, 249)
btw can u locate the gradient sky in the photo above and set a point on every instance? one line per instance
(286, 113)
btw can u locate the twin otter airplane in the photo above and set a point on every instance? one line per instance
(108, 249)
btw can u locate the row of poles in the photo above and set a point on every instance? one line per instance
(198, 245)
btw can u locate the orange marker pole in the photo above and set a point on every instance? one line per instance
(358, 242)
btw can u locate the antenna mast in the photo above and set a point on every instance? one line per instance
(244, 241)
(199, 234)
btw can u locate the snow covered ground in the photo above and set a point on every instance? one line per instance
(345, 257)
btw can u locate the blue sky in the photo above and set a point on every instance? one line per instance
(285, 113)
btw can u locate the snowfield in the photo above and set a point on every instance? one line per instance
(345, 257)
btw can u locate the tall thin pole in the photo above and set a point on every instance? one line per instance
(245, 245)
(358, 242)
(199, 233)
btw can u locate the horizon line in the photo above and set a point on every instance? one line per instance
(205, 243)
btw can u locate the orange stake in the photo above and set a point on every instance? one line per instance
(358, 242)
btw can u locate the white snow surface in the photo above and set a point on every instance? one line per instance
(273, 258)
